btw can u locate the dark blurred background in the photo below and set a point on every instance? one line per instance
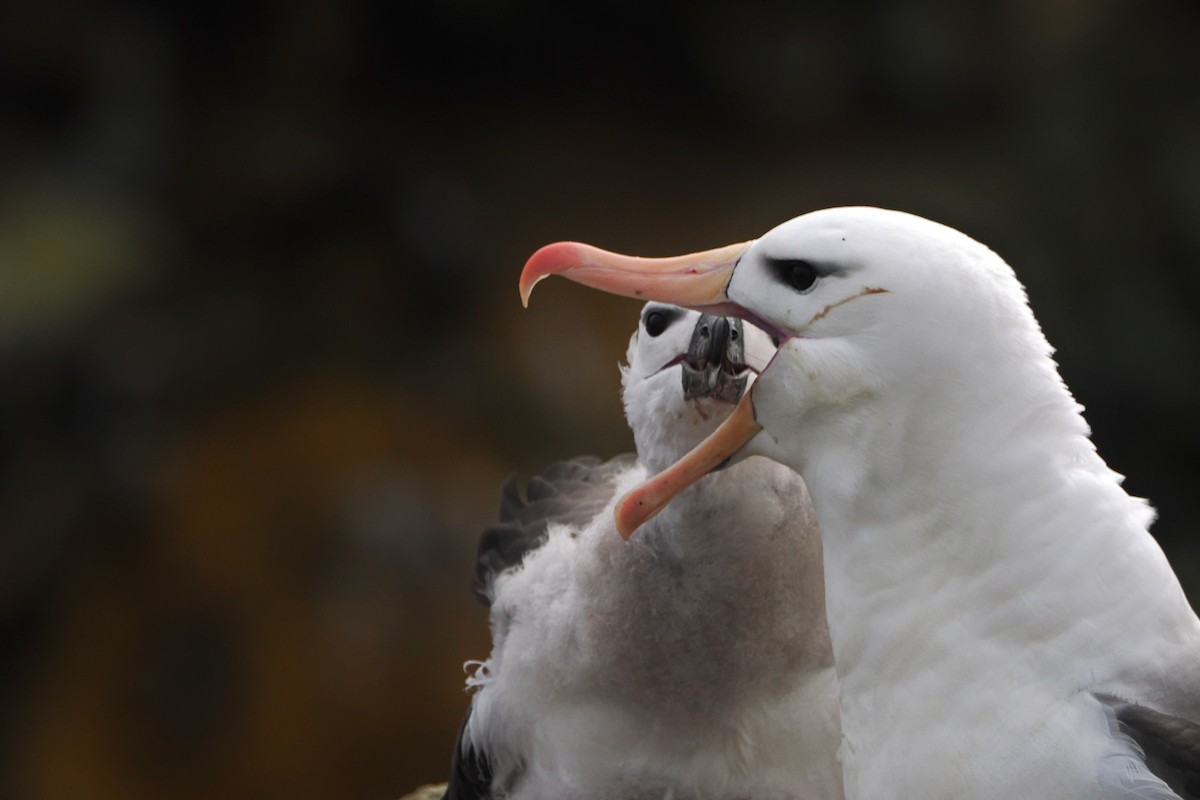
(263, 365)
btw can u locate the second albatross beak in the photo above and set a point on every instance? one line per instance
(651, 496)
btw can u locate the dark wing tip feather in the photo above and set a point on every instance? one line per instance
(511, 503)
(1171, 744)
(470, 773)
(568, 492)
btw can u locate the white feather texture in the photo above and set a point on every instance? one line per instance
(690, 662)
(987, 575)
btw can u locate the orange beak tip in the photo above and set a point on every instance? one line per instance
(527, 289)
(624, 516)
(548, 260)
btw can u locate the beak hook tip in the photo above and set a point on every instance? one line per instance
(549, 260)
(627, 519)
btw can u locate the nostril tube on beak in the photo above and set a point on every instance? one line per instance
(718, 340)
(715, 360)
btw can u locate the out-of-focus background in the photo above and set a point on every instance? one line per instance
(263, 366)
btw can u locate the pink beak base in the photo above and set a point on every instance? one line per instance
(648, 499)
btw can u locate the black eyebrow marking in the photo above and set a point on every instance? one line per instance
(782, 266)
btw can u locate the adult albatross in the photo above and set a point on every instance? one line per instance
(692, 662)
(1004, 625)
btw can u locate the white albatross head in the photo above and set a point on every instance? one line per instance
(866, 303)
(685, 372)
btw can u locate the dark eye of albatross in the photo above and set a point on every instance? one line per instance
(800, 275)
(656, 322)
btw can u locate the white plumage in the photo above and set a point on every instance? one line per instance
(1004, 626)
(691, 662)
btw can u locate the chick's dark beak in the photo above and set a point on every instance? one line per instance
(715, 365)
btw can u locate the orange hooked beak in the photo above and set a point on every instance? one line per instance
(696, 281)
(652, 496)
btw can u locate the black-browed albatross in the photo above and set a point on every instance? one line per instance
(1004, 625)
(692, 662)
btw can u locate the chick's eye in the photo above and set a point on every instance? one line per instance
(656, 323)
(800, 275)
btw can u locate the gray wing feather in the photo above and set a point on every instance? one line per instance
(1171, 744)
(569, 492)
